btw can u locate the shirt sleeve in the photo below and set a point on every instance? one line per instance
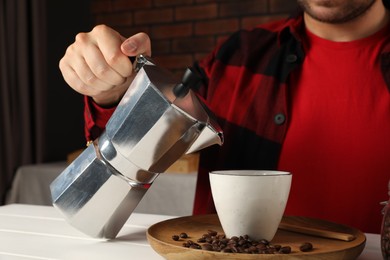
(96, 118)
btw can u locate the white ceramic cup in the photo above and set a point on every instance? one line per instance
(250, 202)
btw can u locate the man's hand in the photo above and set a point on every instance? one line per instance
(97, 64)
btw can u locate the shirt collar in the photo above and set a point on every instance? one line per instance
(293, 27)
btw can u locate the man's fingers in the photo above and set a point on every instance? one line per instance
(108, 43)
(98, 64)
(137, 44)
(83, 80)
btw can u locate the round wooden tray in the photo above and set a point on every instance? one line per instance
(160, 238)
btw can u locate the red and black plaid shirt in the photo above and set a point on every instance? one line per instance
(247, 90)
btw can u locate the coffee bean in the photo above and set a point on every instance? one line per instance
(209, 240)
(195, 246)
(271, 250)
(241, 242)
(262, 247)
(252, 249)
(205, 236)
(212, 233)
(175, 237)
(306, 247)
(225, 241)
(285, 250)
(183, 235)
(263, 241)
(277, 247)
(235, 238)
(201, 240)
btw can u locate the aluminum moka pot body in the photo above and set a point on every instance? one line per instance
(150, 129)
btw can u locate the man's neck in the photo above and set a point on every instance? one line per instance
(368, 23)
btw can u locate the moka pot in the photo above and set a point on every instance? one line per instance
(158, 120)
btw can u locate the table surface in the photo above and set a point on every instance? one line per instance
(40, 232)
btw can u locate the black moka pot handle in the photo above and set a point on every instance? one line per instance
(190, 80)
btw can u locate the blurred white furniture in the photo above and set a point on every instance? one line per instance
(40, 232)
(170, 194)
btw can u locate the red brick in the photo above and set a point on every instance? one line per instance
(242, 8)
(99, 19)
(115, 19)
(161, 47)
(153, 16)
(172, 30)
(216, 27)
(222, 38)
(130, 31)
(121, 5)
(196, 44)
(282, 6)
(250, 22)
(196, 12)
(101, 6)
(178, 73)
(205, 1)
(172, 2)
(172, 62)
(201, 55)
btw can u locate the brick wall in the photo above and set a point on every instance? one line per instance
(183, 31)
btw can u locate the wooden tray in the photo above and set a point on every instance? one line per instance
(160, 238)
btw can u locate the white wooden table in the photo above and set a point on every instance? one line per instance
(40, 232)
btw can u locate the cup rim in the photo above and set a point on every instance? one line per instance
(251, 172)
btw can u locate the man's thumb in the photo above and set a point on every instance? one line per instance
(137, 44)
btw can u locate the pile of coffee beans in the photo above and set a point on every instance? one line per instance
(212, 241)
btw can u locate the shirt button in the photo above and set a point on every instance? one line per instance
(279, 118)
(291, 58)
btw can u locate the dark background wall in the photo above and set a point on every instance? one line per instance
(182, 31)
(64, 132)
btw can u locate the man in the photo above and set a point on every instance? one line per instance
(309, 94)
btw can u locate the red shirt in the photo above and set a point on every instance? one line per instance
(337, 145)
